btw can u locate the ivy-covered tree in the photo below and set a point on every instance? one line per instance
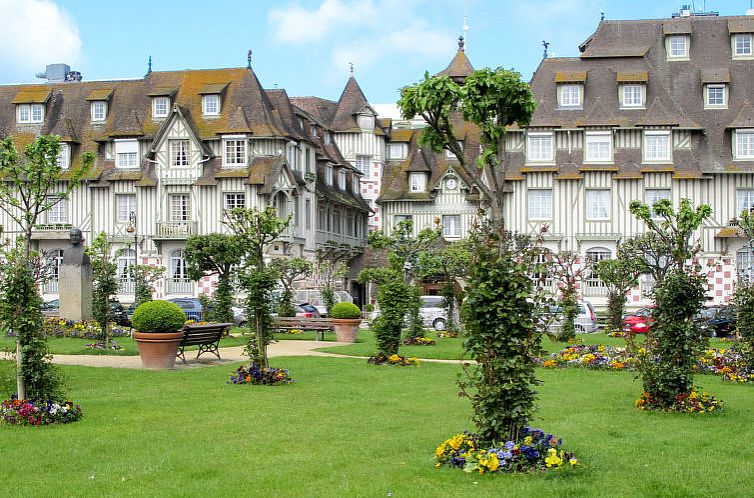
(620, 276)
(743, 297)
(105, 283)
(32, 183)
(255, 231)
(290, 271)
(216, 254)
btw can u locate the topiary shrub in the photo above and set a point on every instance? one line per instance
(346, 310)
(158, 316)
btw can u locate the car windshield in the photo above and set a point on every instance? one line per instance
(432, 302)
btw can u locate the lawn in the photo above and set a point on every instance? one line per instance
(346, 428)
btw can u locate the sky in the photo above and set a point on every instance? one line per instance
(305, 46)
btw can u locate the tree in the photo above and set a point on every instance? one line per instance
(447, 263)
(620, 276)
(290, 271)
(104, 281)
(331, 267)
(394, 298)
(491, 99)
(568, 272)
(255, 231)
(144, 278)
(31, 185)
(215, 254)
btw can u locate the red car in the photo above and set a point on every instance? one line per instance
(639, 322)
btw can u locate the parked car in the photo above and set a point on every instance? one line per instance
(304, 310)
(314, 297)
(118, 314)
(191, 306)
(50, 308)
(723, 323)
(432, 312)
(585, 321)
(639, 321)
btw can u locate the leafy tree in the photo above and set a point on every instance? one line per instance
(104, 281)
(568, 272)
(394, 298)
(144, 278)
(491, 99)
(215, 254)
(31, 186)
(290, 271)
(620, 276)
(331, 267)
(744, 294)
(447, 263)
(255, 231)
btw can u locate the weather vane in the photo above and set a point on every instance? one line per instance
(149, 65)
(248, 59)
(350, 64)
(546, 45)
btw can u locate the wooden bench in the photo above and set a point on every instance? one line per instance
(207, 337)
(320, 325)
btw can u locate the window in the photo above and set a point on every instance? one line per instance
(741, 45)
(743, 144)
(451, 225)
(397, 151)
(99, 110)
(744, 201)
(160, 107)
(64, 156)
(179, 207)
(210, 105)
(598, 254)
(363, 162)
(125, 204)
(745, 263)
(716, 96)
(58, 213)
(342, 180)
(632, 95)
(124, 262)
(366, 121)
(656, 146)
(235, 151)
(677, 47)
(539, 147)
(308, 214)
(313, 130)
(540, 204)
(598, 146)
(234, 200)
(178, 265)
(179, 153)
(328, 174)
(592, 283)
(569, 95)
(652, 196)
(328, 137)
(417, 182)
(598, 204)
(308, 160)
(30, 113)
(127, 153)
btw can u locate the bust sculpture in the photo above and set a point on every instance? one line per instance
(76, 254)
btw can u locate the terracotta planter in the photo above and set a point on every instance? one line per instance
(158, 350)
(346, 328)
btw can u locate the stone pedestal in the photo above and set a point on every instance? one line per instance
(75, 292)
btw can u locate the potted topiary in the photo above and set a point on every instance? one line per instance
(158, 333)
(346, 318)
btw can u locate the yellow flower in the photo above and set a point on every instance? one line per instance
(572, 461)
(493, 464)
(528, 440)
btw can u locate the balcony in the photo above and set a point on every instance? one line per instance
(594, 287)
(333, 240)
(291, 234)
(51, 231)
(182, 286)
(126, 286)
(51, 286)
(167, 230)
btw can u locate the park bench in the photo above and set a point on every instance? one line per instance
(207, 337)
(320, 325)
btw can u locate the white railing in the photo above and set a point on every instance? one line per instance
(50, 287)
(175, 229)
(179, 286)
(594, 287)
(126, 286)
(328, 237)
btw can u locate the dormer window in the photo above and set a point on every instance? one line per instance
(127, 153)
(741, 46)
(715, 96)
(677, 47)
(539, 147)
(657, 146)
(179, 153)
(160, 107)
(417, 182)
(211, 105)
(743, 144)
(355, 184)
(234, 150)
(99, 110)
(313, 130)
(366, 121)
(30, 113)
(64, 156)
(342, 180)
(328, 137)
(397, 151)
(570, 95)
(598, 147)
(632, 95)
(328, 174)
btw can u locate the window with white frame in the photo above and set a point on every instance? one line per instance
(160, 107)
(363, 162)
(539, 203)
(539, 147)
(741, 45)
(328, 137)
(451, 225)
(308, 214)
(234, 151)
(233, 200)
(657, 146)
(594, 256)
(598, 204)
(64, 156)
(632, 95)
(342, 180)
(125, 204)
(654, 195)
(127, 153)
(58, 213)
(179, 153)
(124, 262)
(179, 207)
(177, 263)
(677, 46)
(99, 110)
(211, 105)
(397, 151)
(328, 174)
(745, 263)
(598, 146)
(715, 95)
(55, 260)
(743, 144)
(744, 200)
(30, 113)
(570, 95)
(366, 121)
(417, 182)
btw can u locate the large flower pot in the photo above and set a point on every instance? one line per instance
(158, 350)
(346, 328)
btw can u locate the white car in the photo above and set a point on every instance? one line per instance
(314, 297)
(432, 312)
(585, 322)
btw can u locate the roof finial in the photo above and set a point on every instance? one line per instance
(460, 43)
(602, 15)
(149, 65)
(350, 64)
(248, 59)
(465, 28)
(546, 45)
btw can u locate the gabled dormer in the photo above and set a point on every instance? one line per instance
(99, 103)
(162, 101)
(31, 104)
(176, 144)
(212, 97)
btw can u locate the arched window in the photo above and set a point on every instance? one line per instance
(593, 286)
(178, 265)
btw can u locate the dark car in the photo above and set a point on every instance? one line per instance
(118, 314)
(50, 308)
(191, 306)
(723, 323)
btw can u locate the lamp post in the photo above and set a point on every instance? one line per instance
(132, 229)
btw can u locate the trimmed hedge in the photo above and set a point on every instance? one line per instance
(158, 316)
(346, 310)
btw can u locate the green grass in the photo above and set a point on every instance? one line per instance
(346, 428)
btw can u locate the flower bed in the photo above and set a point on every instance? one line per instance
(56, 327)
(23, 412)
(100, 346)
(693, 402)
(534, 451)
(418, 341)
(394, 359)
(447, 334)
(255, 374)
(591, 356)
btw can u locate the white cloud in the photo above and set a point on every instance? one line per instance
(295, 24)
(35, 33)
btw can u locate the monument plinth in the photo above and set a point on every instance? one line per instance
(75, 285)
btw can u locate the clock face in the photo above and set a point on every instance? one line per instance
(451, 183)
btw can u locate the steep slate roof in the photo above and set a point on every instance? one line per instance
(459, 67)
(622, 51)
(352, 101)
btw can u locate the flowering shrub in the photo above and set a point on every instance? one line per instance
(394, 359)
(693, 402)
(418, 341)
(255, 374)
(534, 451)
(22, 412)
